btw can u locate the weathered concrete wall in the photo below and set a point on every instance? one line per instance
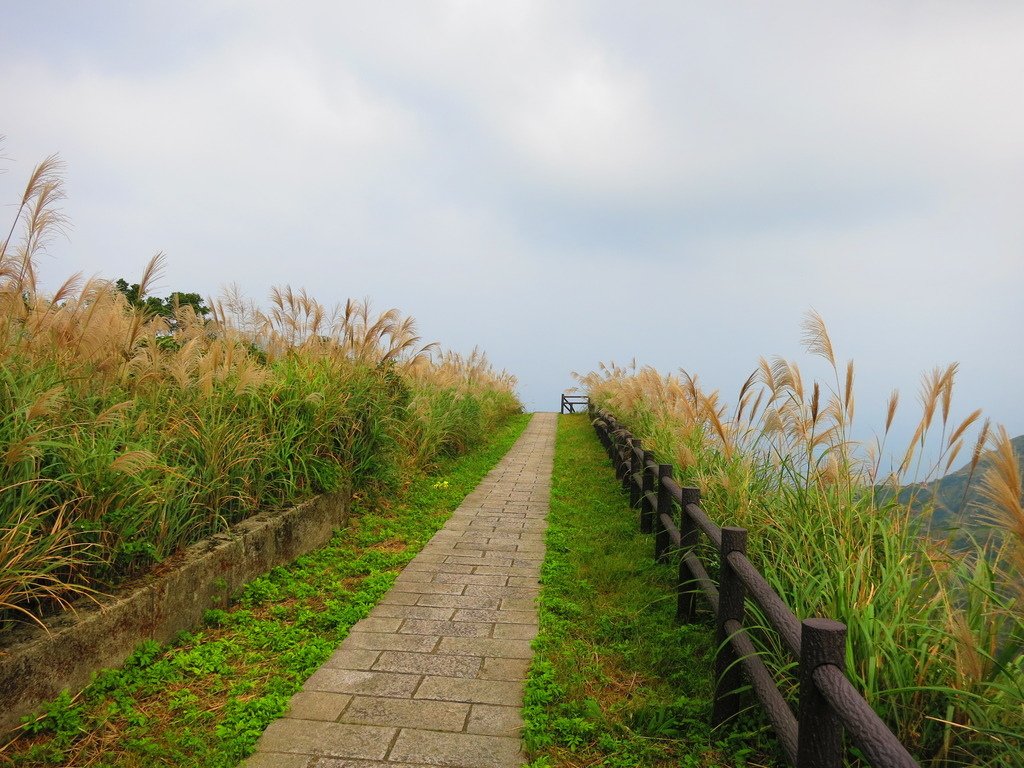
(36, 666)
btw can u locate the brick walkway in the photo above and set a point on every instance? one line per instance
(434, 675)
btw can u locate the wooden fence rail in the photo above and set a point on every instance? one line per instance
(571, 402)
(828, 703)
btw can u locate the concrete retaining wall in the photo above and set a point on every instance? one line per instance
(36, 666)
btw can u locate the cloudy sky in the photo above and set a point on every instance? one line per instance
(560, 182)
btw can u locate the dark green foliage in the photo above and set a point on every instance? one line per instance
(164, 307)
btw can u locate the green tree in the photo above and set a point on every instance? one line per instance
(166, 306)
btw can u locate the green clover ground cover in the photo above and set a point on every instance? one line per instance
(205, 699)
(616, 681)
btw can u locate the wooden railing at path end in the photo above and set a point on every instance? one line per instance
(570, 403)
(828, 703)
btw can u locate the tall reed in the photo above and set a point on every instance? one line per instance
(935, 633)
(125, 435)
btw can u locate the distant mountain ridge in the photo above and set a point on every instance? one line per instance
(956, 497)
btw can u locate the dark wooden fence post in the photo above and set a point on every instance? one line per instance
(647, 487)
(819, 735)
(621, 468)
(620, 454)
(728, 671)
(609, 438)
(635, 457)
(663, 507)
(686, 606)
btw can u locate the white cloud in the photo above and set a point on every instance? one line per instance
(467, 160)
(588, 126)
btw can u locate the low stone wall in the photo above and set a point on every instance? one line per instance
(36, 666)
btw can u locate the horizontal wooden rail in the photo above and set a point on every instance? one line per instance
(700, 575)
(828, 703)
(868, 731)
(783, 620)
(571, 402)
(761, 680)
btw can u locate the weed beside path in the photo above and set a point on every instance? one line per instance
(615, 680)
(205, 700)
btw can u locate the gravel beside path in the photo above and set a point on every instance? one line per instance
(434, 675)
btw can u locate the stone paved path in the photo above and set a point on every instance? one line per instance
(434, 675)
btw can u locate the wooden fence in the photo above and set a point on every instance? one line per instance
(828, 703)
(570, 403)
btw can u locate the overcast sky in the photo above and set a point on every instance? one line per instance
(559, 182)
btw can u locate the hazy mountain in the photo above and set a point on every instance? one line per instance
(957, 497)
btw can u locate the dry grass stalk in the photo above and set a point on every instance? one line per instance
(108, 396)
(785, 466)
(1002, 488)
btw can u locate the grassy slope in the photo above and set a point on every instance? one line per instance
(616, 682)
(206, 699)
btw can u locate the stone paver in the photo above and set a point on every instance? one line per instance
(457, 750)
(469, 691)
(312, 737)
(434, 675)
(494, 721)
(376, 710)
(429, 664)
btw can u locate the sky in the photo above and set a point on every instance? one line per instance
(561, 183)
